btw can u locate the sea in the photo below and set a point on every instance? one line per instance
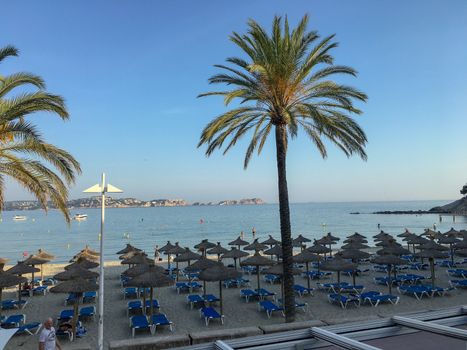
(148, 227)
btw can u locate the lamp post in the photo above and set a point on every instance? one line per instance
(103, 188)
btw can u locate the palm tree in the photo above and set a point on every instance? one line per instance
(43, 169)
(282, 86)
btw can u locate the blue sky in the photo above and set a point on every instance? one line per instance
(131, 70)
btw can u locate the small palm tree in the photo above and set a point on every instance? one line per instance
(40, 167)
(282, 86)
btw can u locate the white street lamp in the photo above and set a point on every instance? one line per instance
(103, 188)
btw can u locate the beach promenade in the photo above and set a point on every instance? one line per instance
(237, 312)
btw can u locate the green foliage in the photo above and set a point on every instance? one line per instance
(43, 169)
(285, 79)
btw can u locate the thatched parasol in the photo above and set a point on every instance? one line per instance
(416, 240)
(276, 250)
(3, 261)
(165, 249)
(8, 280)
(432, 254)
(317, 248)
(256, 246)
(461, 244)
(176, 250)
(127, 249)
(449, 239)
(85, 255)
(300, 241)
(390, 260)
(22, 269)
(218, 249)
(137, 259)
(239, 242)
(219, 273)
(353, 244)
(77, 286)
(271, 241)
(257, 260)
(355, 255)
(202, 264)
(234, 254)
(41, 253)
(431, 234)
(76, 272)
(34, 260)
(152, 278)
(462, 252)
(83, 263)
(306, 257)
(187, 256)
(338, 264)
(326, 241)
(204, 245)
(357, 235)
(404, 234)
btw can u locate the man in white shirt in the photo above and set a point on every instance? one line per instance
(47, 338)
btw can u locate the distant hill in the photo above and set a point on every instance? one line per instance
(456, 207)
(95, 202)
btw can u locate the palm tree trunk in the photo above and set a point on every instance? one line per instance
(286, 236)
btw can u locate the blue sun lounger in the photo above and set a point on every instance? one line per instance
(331, 286)
(301, 290)
(235, 283)
(30, 328)
(248, 293)
(209, 313)
(210, 298)
(89, 297)
(65, 315)
(272, 279)
(130, 292)
(410, 278)
(350, 288)
(134, 306)
(13, 321)
(87, 312)
(439, 291)
(41, 290)
(376, 298)
(13, 304)
(460, 273)
(416, 291)
(160, 320)
(301, 306)
(418, 266)
(70, 299)
(139, 322)
(194, 299)
(315, 275)
(343, 300)
(270, 307)
(155, 304)
(263, 293)
(458, 283)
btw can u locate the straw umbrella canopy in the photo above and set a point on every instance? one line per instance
(355, 255)
(204, 245)
(127, 249)
(187, 256)
(305, 257)
(357, 235)
(432, 254)
(463, 234)
(338, 264)
(34, 260)
(130, 254)
(355, 245)
(452, 232)
(3, 261)
(202, 264)
(300, 241)
(430, 233)
(271, 241)
(88, 250)
(256, 246)
(391, 247)
(165, 249)
(461, 244)
(257, 260)
(83, 263)
(462, 252)
(219, 273)
(234, 254)
(389, 260)
(276, 250)
(152, 278)
(21, 269)
(238, 242)
(8, 280)
(404, 234)
(76, 272)
(77, 286)
(449, 239)
(381, 235)
(41, 253)
(218, 249)
(85, 255)
(417, 240)
(137, 259)
(176, 250)
(327, 241)
(317, 248)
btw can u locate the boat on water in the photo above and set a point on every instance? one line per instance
(19, 218)
(80, 217)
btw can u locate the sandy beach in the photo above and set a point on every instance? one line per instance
(237, 312)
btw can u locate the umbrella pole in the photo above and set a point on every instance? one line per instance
(307, 275)
(235, 263)
(353, 275)
(177, 269)
(1, 292)
(257, 274)
(339, 283)
(220, 295)
(204, 287)
(42, 274)
(168, 262)
(144, 301)
(432, 267)
(389, 278)
(75, 315)
(452, 254)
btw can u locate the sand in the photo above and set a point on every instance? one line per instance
(237, 312)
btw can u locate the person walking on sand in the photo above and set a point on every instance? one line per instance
(47, 338)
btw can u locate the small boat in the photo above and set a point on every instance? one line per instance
(80, 217)
(19, 218)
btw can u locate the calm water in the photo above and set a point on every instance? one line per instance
(146, 227)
